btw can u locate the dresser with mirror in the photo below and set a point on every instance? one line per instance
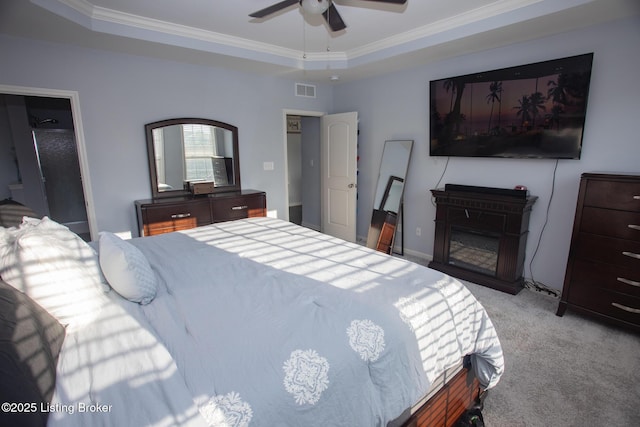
(189, 156)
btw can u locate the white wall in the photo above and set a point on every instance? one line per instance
(120, 93)
(395, 106)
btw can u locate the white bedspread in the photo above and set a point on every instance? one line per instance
(263, 323)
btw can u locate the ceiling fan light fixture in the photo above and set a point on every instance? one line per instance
(315, 7)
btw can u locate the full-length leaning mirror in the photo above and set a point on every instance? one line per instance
(191, 150)
(387, 202)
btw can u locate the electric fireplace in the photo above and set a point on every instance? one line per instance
(474, 251)
(481, 234)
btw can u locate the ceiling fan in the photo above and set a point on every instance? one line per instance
(316, 7)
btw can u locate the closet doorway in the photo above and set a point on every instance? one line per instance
(323, 178)
(43, 157)
(303, 169)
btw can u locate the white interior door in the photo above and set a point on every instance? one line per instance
(339, 174)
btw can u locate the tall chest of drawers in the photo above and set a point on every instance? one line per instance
(603, 271)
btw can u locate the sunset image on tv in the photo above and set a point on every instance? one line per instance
(531, 111)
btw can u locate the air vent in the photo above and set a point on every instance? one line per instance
(307, 91)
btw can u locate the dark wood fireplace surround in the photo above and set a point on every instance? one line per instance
(499, 214)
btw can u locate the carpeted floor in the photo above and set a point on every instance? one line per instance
(559, 371)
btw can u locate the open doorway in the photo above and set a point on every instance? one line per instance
(303, 170)
(327, 170)
(43, 158)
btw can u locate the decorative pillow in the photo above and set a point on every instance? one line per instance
(127, 269)
(79, 250)
(35, 261)
(30, 341)
(12, 212)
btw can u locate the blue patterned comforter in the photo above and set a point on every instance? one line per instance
(271, 324)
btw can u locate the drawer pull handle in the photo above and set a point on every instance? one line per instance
(628, 282)
(636, 197)
(631, 254)
(182, 215)
(239, 208)
(625, 308)
(634, 227)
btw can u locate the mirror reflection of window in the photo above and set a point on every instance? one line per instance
(199, 148)
(191, 149)
(393, 195)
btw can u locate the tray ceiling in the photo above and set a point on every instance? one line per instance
(379, 37)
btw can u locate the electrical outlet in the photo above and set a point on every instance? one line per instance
(418, 231)
(268, 166)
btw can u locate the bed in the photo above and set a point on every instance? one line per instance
(254, 322)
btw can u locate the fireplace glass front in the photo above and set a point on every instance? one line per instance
(474, 251)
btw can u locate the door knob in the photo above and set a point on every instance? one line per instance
(352, 185)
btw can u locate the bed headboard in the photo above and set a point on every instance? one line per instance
(11, 213)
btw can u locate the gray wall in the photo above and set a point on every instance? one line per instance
(311, 181)
(8, 168)
(120, 93)
(395, 106)
(294, 160)
(304, 171)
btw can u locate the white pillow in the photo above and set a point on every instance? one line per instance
(78, 248)
(127, 269)
(36, 262)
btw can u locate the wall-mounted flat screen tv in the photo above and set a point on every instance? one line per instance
(530, 111)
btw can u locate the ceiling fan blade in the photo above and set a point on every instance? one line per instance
(273, 8)
(334, 19)
(390, 1)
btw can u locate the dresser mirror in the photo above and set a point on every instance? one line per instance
(190, 150)
(387, 204)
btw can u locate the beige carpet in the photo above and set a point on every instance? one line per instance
(560, 371)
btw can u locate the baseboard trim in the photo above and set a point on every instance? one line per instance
(417, 254)
(311, 226)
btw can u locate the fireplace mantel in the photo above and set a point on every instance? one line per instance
(481, 234)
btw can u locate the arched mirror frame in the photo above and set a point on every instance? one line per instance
(150, 127)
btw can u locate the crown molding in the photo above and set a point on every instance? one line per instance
(154, 25)
(502, 12)
(114, 22)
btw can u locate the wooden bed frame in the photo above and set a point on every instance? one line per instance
(449, 403)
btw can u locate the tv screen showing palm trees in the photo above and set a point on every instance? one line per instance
(530, 111)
